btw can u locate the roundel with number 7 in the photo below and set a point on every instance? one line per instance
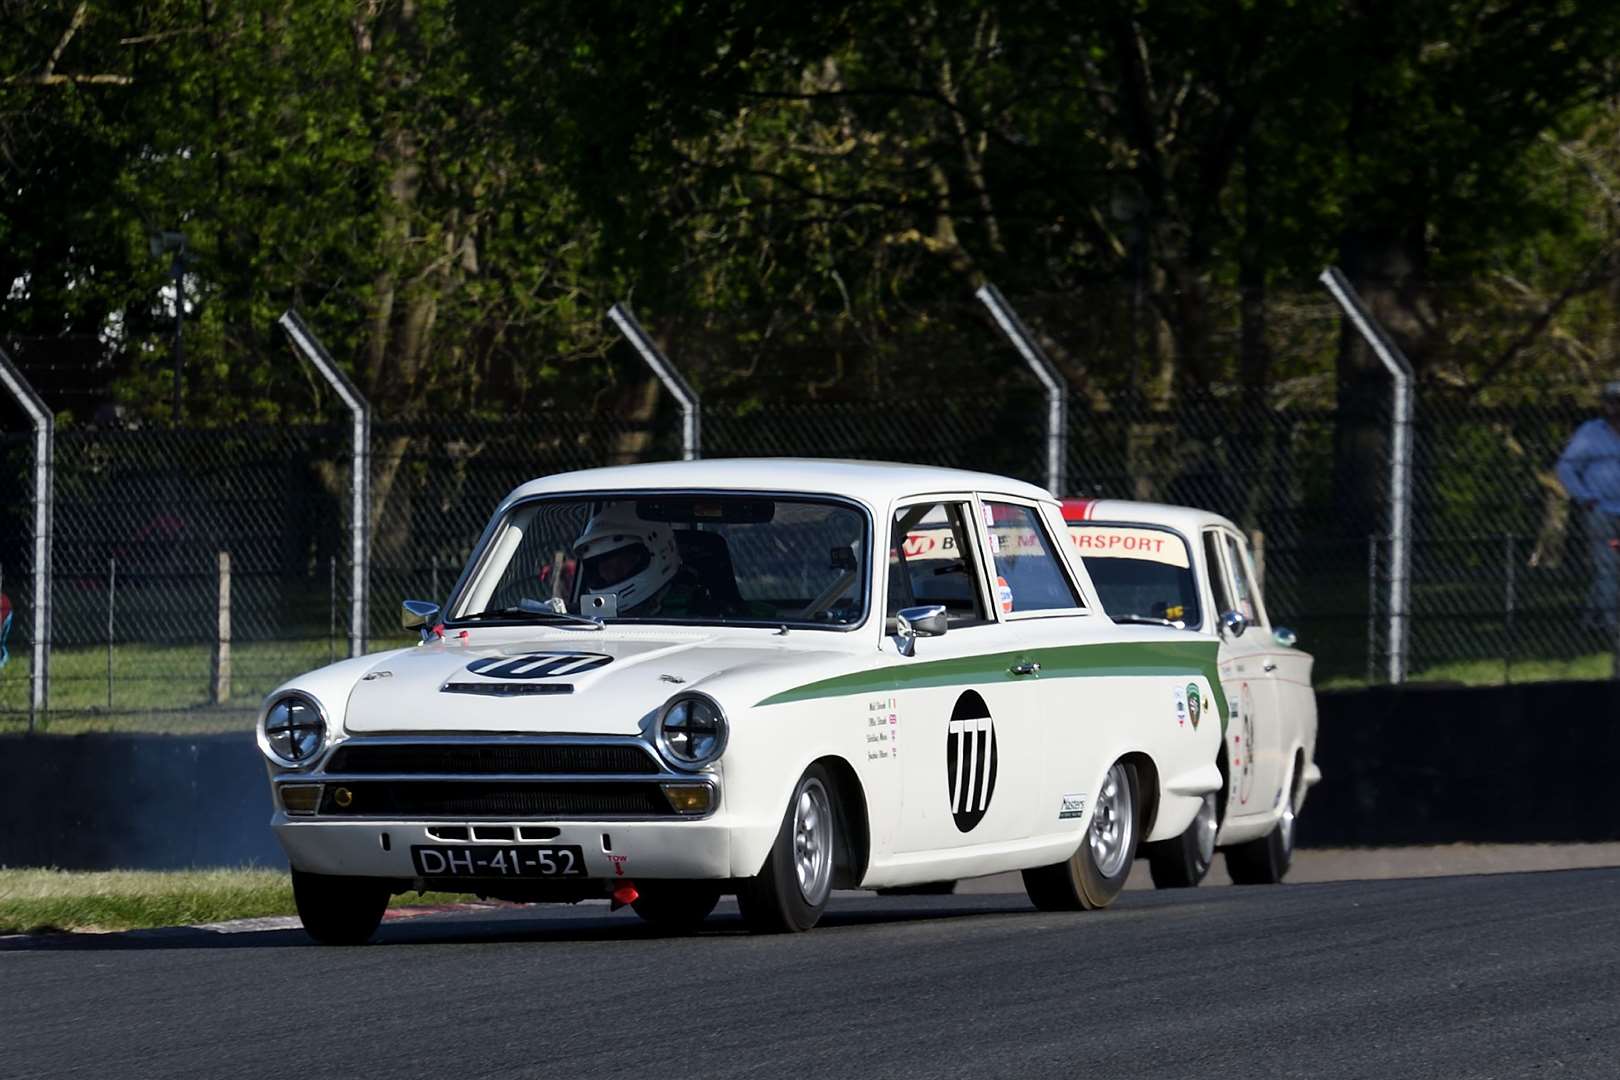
(970, 760)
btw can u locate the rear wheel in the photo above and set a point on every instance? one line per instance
(1094, 875)
(1182, 862)
(339, 910)
(676, 907)
(791, 890)
(1265, 860)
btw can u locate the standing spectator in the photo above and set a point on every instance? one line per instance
(5, 627)
(1589, 469)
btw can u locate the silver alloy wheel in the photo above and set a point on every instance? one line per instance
(813, 841)
(1287, 826)
(1208, 826)
(1111, 823)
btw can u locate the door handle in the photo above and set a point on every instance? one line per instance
(1028, 667)
(1268, 666)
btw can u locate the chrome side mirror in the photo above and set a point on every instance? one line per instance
(419, 615)
(1233, 623)
(1284, 636)
(926, 620)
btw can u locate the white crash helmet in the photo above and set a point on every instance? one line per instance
(616, 529)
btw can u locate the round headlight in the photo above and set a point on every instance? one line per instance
(692, 731)
(293, 730)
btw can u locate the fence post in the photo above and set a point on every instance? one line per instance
(44, 496)
(360, 471)
(1400, 460)
(691, 404)
(1057, 409)
(222, 635)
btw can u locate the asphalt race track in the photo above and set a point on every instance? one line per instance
(1493, 976)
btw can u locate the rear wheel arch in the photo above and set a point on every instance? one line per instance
(1147, 791)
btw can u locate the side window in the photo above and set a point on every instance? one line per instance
(1217, 574)
(1028, 575)
(931, 562)
(1247, 595)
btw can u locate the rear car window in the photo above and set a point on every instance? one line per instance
(1139, 570)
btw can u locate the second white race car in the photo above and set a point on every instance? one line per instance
(1178, 566)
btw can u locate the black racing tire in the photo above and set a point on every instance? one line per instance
(1182, 861)
(676, 907)
(339, 910)
(790, 892)
(1264, 860)
(1081, 882)
(929, 888)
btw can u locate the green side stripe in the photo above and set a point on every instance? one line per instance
(1061, 662)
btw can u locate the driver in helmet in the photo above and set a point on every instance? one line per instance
(639, 563)
(635, 560)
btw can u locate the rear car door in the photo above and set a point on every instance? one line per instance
(1248, 674)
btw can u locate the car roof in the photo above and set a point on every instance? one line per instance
(1187, 519)
(873, 482)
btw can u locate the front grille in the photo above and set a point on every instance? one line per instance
(485, 759)
(497, 798)
(506, 689)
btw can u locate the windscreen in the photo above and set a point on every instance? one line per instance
(1139, 570)
(674, 558)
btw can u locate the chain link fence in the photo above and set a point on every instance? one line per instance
(194, 569)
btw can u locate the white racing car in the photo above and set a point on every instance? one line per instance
(1174, 565)
(664, 683)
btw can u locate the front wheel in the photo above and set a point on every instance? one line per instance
(1094, 875)
(339, 910)
(1182, 861)
(1265, 860)
(791, 890)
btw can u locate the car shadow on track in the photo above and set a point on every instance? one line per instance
(534, 924)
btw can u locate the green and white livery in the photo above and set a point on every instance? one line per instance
(671, 682)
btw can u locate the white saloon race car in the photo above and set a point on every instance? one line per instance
(663, 683)
(1174, 565)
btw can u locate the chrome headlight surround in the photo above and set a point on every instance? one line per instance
(692, 731)
(293, 729)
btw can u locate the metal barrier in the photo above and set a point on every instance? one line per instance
(188, 571)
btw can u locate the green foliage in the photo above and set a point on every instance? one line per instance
(799, 197)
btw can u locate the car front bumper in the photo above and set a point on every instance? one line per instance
(686, 849)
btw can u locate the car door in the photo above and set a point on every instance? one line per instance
(1042, 605)
(1255, 734)
(959, 736)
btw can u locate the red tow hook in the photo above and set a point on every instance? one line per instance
(623, 896)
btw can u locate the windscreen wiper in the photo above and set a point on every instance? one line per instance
(1147, 620)
(524, 610)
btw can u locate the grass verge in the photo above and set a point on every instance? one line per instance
(33, 901)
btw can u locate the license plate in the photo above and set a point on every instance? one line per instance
(511, 861)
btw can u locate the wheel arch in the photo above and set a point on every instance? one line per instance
(854, 823)
(1147, 790)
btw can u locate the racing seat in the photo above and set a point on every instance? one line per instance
(705, 554)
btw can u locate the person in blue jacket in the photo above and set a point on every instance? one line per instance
(1589, 469)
